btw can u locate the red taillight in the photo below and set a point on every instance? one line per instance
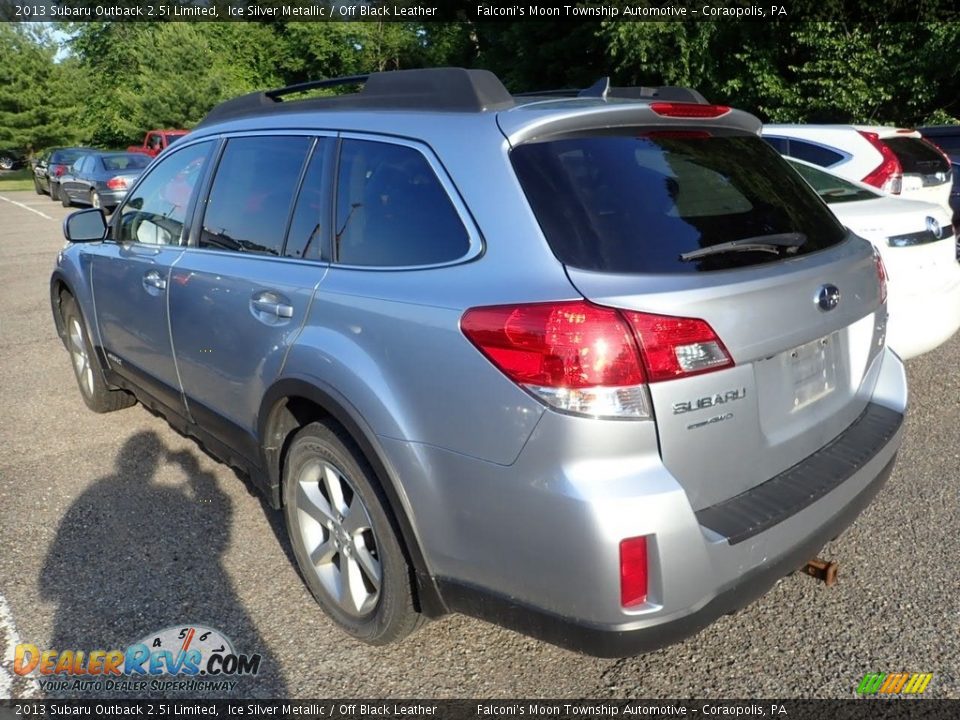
(674, 347)
(888, 175)
(117, 183)
(592, 360)
(633, 571)
(881, 275)
(568, 344)
(688, 110)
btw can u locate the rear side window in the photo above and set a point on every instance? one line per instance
(813, 153)
(252, 194)
(777, 143)
(392, 210)
(635, 201)
(917, 156)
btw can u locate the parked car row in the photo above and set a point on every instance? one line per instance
(602, 374)
(85, 176)
(917, 243)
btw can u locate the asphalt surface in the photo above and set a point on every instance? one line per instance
(114, 526)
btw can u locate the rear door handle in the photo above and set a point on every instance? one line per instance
(270, 303)
(155, 280)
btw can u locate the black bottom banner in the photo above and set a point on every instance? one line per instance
(859, 709)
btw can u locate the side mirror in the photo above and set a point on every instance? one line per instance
(85, 226)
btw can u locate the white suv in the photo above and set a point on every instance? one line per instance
(895, 160)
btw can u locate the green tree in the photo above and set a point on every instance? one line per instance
(33, 90)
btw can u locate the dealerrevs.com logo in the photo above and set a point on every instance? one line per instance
(191, 657)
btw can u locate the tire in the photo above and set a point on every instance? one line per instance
(36, 186)
(6, 162)
(54, 190)
(95, 200)
(94, 390)
(65, 198)
(352, 536)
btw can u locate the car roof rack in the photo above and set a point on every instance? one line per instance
(602, 89)
(442, 89)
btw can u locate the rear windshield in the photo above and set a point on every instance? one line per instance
(131, 161)
(68, 157)
(917, 156)
(831, 188)
(634, 201)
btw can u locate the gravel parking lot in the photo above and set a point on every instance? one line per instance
(114, 526)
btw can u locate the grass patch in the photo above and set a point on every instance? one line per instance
(17, 180)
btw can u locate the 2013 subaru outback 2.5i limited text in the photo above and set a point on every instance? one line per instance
(597, 367)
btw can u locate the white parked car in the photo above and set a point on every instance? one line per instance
(895, 160)
(915, 241)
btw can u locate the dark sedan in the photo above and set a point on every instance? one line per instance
(51, 165)
(101, 179)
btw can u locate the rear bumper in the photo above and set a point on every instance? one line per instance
(111, 198)
(534, 545)
(611, 642)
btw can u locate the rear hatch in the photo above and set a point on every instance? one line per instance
(711, 223)
(926, 171)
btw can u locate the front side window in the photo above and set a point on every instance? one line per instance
(252, 193)
(156, 210)
(392, 210)
(309, 228)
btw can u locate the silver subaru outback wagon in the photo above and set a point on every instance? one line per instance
(597, 366)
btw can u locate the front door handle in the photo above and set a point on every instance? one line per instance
(154, 279)
(271, 304)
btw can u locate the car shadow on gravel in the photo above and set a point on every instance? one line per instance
(137, 553)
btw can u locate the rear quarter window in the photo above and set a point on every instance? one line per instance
(634, 201)
(813, 153)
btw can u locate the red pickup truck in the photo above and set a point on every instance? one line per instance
(156, 141)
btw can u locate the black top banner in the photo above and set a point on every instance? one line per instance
(478, 10)
(861, 709)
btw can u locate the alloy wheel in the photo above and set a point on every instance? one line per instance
(81, 361)
(336, 531)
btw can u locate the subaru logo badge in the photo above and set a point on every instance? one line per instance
(933, 227)
(828, 298)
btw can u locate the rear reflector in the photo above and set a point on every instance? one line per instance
(674, 347)
(117, 183)
(888, 175)
(592, 360)
(688, 110)
(633, 571)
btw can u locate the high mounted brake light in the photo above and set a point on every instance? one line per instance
(688, 110)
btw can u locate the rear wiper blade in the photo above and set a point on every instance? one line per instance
(774, 243)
